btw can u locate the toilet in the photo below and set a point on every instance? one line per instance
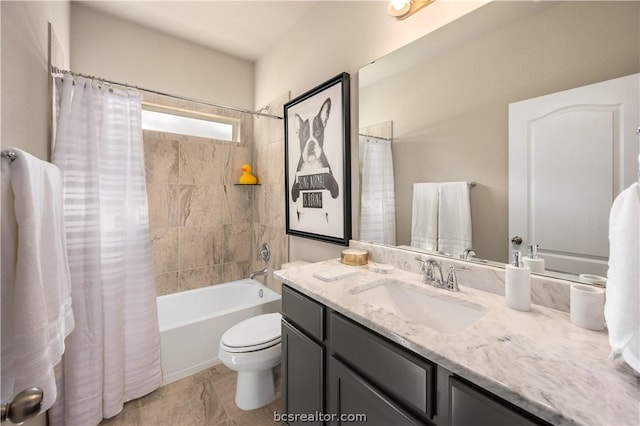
(252, 348)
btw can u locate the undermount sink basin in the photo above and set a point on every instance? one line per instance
(440, 312)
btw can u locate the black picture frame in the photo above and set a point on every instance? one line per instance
(317, 147)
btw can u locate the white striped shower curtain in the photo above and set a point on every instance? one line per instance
(113, 355)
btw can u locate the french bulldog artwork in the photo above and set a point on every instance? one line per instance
(312, 156)
(314, 171)
(317, 163)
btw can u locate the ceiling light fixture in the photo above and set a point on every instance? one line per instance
(402, 9)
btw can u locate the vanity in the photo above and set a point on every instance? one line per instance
(359, 345)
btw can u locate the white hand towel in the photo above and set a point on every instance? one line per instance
(622, 306)
(454, 218)
(38, 281)
(424, 216)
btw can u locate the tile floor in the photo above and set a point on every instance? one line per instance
(204, 399)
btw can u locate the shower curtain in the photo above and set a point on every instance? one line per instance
(378, 205)
(113, 355)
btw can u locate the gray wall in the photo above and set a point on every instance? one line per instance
(335, 37)
(122, 51)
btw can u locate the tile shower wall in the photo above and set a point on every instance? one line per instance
(201, 224)
(269, 207)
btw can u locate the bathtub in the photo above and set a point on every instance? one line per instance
(192, 322)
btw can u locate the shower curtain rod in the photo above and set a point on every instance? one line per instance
(56, 70)
(371, 136)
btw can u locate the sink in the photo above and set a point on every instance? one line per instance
(440, 312)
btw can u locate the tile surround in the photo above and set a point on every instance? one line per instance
(269, 210)
(204, 229)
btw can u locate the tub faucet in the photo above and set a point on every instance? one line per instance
(254, 274)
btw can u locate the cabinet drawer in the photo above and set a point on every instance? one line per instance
(471, 406)
(404, 376)
(352, 396)
(305, 313)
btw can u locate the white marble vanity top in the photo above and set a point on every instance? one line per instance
(538, 360)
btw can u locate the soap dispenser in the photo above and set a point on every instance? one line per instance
(532, 261)
(517, 284)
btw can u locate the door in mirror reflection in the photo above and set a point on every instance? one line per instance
(570, 154)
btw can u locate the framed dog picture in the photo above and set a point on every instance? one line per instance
(317, 162)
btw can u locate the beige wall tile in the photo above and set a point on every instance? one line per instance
(200, 277)
(160, 157)
(238, 204)
(236, 270)
(200, 246)
(166, 283)
(202, 161)
(163, 205)
(201, 205)
(164, 249)
(238, 242)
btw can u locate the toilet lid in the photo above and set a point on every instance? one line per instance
(255, 331)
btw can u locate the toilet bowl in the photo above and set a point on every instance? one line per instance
(252, 348)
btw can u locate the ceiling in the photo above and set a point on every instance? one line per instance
(242, 28)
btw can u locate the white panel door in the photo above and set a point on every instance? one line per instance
(570, 154)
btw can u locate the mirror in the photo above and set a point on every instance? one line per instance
(448, 94)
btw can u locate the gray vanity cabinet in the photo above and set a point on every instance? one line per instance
(471, 406)
(406, 379)
(351, 396)
(335, 366)
(302, 374)
(303, 357)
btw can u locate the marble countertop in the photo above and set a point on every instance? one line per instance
(537, 360)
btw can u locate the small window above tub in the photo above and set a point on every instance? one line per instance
(186, 122)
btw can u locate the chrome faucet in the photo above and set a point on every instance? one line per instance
(468, 254)
(254, 274)
(428, 267)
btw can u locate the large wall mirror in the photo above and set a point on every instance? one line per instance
(444, 99)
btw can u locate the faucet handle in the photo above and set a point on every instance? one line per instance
(423, 264)
(452, 280)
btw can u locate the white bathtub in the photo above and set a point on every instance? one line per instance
(192, 322)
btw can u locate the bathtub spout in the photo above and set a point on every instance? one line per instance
(254, 274)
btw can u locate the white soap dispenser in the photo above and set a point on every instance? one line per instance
(517, 284)
(532, 261)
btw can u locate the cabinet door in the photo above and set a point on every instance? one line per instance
(472, 407)
(352, 396)
(302, 375)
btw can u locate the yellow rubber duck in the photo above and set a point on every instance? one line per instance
(247, 178)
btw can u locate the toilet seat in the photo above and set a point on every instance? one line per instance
(252, 348)
(253, 334)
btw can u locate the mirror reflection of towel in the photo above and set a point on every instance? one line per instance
(424, 216)
(454, 218)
